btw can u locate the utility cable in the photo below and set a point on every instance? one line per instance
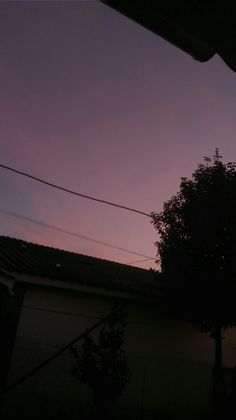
(55, 355)
(140, 261)
(58, 353)
(47, 310)
(67, 232)
(58, 187)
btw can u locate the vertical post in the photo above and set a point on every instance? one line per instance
(10, 309)
(218, 347)
(218, 380)
(142, 393)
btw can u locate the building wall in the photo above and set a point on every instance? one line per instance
(170, 361)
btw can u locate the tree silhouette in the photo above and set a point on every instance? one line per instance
(197, 250)
(102, 365)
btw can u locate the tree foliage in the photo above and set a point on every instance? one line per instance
(197, 244)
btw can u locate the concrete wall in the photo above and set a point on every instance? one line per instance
(170, 361)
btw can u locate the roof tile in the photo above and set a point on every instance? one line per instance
(38, 260)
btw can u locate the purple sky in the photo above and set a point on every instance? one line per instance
(94, 102)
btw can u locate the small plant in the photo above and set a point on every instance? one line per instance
(101, 364)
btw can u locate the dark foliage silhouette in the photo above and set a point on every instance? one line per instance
(197, 250)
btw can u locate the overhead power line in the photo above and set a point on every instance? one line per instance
(67, 232)
(58, 187)
(140, 261)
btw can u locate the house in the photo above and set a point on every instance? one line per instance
(50, 296)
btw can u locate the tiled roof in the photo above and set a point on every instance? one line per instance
(17, 256)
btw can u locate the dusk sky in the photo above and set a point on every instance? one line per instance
(94, 102)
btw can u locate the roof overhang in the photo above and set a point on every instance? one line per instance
(200, 28)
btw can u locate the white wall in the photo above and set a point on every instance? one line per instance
(170, 361)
